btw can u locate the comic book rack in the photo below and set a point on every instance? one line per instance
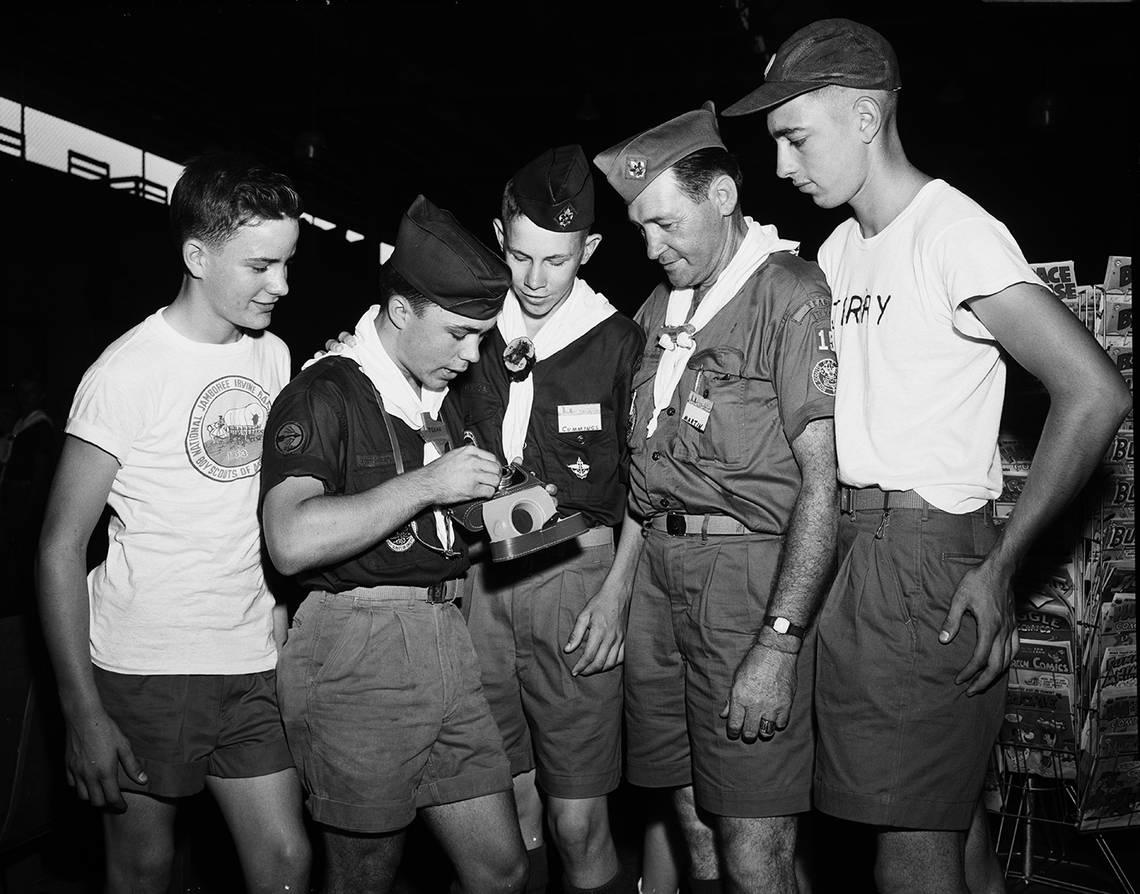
(1066, 765)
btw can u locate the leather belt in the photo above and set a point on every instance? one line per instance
(858, 499)
(680, 525)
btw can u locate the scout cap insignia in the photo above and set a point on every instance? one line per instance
(556, 190)
(829, 52)
(634, 163)
(441, 259)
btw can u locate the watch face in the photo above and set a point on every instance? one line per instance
(780, 625)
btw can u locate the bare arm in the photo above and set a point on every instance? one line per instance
(601, 624)
(765, 681)
(307, 528)
(1088, 400)
(95, 746)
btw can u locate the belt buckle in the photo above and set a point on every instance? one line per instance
(846, 499)
(437, 593)
(675, 524)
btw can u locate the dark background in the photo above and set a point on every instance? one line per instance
(1028, 107)
(1025, 106)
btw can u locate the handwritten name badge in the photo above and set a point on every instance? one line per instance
(579, 417)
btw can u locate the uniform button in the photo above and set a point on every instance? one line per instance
(657, 454)
(671, 412)
(664, 501)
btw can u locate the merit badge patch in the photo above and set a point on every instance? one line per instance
(635, 167)
(289, 438)
(401, 541)
(566, 216)
(580, 469)
(823, 375)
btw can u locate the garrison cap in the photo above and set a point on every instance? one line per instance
(633, 164)
(441, 259)
(829, 52)
(556, 190)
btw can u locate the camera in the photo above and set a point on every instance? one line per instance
(521, 518)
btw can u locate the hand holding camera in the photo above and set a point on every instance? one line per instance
(465, 473)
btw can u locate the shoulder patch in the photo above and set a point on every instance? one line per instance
(824, 375)
(819, 307)
(289, 438)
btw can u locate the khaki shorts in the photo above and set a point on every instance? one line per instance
(900, 744)
(520, 615)
(384, 711)
(696, 608)
(185, 727)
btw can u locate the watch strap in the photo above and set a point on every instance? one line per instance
(784, 627)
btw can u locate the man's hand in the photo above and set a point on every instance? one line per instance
(763, 687)
(986, 594)
(95, 749)
(601, 626)
(466, 473)
(336, 345)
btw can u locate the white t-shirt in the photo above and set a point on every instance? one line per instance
(921, 380)
(182, 589)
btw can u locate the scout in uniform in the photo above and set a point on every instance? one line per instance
(379, 684)
(929, 291)
(552, 388)
(733, 476)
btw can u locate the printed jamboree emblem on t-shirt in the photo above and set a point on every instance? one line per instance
(227, 422)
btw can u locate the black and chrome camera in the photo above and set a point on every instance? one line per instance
(521, 518)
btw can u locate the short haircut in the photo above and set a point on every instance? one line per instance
(695, 172)
(840, 99)
(220, 192)
(392, 283)
(511, 210)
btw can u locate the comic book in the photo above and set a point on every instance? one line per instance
(1117, 316)
(1038, 732)
(1112, 797)
(1060, 276)
(1118, 273)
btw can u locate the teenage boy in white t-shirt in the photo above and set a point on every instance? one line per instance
(165, 654)
(927, 290)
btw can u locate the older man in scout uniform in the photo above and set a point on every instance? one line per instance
(553, 388)
(378, 682)
(733, 476)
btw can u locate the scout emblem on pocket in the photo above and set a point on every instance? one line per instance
(401, 541)
(580, 469)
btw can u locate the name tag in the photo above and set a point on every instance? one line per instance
(579, 417)
(697, 411)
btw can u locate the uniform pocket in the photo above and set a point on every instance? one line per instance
(719, 379)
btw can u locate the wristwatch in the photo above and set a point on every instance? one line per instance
(784, 627)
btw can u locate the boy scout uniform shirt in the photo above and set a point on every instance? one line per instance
(577, 437)
(326, 424)
(766, 364)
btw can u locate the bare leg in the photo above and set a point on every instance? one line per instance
(930, 862)
(140, 845)
(983, 871)
(264, 816)
(361, 864)
(660, 873)
(700, 840)
(482, 839)
(759, 854)
(529, 805)
(581, 829)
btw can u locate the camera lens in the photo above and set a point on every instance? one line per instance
(526, 516)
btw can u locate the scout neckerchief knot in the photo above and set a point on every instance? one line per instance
(582, 310)
(678, 335)
(400, 399)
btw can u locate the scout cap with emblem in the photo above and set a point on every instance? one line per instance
(829, 52)
(440, 258)
(556, 190)
(633, 164)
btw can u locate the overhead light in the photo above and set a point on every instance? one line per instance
(319, 222)
(352, 236)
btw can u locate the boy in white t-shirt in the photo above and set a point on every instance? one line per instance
(927, 290)
(165, 655)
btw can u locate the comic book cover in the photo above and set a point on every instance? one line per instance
(1037, 732)
(1121, 453)
(1118, 272)
(1119, 349)
(1044, 655)
(1060, 276)
(1117, 316)
(1112, 797)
